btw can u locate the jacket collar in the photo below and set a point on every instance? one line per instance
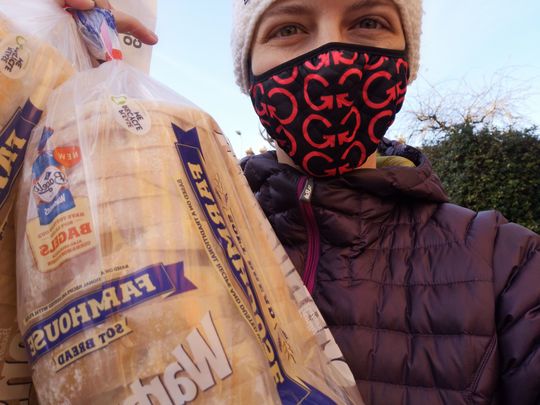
(418, 182)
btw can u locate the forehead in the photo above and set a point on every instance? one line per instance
(301, 6)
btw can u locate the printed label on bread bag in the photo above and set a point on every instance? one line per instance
(14, 56)
(13, 143)
(131, 115)
(65, 319)
(50, 185)
(242, 280)
(50, 188)
(103, 336)
(70, 234)
(68, 156)
(198, 369)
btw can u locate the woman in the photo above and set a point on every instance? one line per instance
(430, 303)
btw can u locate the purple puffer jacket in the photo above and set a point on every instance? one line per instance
(431, 303)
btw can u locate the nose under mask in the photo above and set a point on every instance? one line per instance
(329, 109)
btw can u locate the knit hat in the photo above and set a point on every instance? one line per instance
(246, 14)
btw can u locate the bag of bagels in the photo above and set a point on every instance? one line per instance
(147, 274)
(30, 68)
(54, 26)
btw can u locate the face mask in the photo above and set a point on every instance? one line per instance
(329, 108)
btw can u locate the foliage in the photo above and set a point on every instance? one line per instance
(488, 168)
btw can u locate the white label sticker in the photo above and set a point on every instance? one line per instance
(14, 56)
(131, 115)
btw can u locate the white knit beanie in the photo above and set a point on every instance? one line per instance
(246, 14)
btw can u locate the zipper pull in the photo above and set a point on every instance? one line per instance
(307, 191)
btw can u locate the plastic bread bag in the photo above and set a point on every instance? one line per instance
(50, 23)
(146, 272)
(29, 70)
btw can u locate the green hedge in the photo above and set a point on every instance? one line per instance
(491, 169)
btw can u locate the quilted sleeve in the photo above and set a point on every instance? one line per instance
(517, 282)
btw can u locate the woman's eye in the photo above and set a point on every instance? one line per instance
(369, 23)
(287, 31)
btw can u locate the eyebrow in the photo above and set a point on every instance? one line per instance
(297, 8)
(367, 3)
(288, 8)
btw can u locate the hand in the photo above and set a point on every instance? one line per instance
(124, 22)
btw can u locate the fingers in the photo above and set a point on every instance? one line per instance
(124, 22)
(128, 24)
(85, 4)
(103, 4)
(77, 4)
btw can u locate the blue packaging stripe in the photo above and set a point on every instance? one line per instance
(290, 390)
(45, 136)
(21, 125)
(48, 212)
(92, 309)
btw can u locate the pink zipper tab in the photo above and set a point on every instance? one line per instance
(307, 190)
(304, 192)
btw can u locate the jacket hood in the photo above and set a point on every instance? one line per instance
(418, 182)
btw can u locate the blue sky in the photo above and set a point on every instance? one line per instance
(465, 41)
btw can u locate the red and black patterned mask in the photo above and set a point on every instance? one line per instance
(328, 109)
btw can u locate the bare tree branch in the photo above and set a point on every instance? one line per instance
(495, 103)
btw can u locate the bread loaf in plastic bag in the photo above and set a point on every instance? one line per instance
(53, 25)
(147, 273)
(30, 68)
